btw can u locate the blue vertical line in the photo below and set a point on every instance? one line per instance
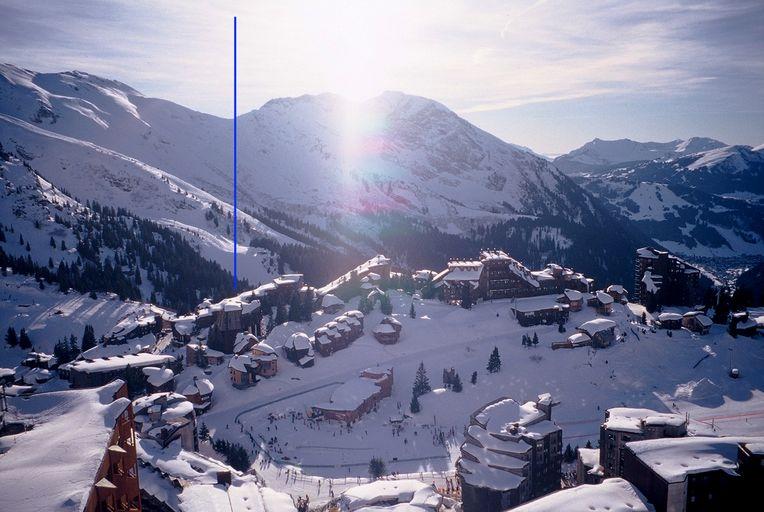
(235, 201)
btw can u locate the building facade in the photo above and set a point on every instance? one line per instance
(512, 453)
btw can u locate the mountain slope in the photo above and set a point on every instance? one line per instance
(601, 155)
(709, 204)
(359, 175)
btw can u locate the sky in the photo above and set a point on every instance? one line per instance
(550, 75)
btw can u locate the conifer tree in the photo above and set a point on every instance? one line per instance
(204, 432)
(473, 379)
(385, 305)
(52, 242)
(88, 338)
(568, 456)
(412, 311)
(466, 300)
(535, 339)
(421, 382)
(281, 315)
(24, 341)
(295, 309)
(377, 468)
(11, 338)
(415, 407)
(494, 362)
(456, 386)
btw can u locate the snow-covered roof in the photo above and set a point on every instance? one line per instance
(355, 314)
(287, 279)
(158, 376)
(616, 288)
(329, 300)
(298, 341)
(664, 317)
(384, 329)
(464, 271)
(386, 494)
(675, 458)
(106, 364)
(243, 340)
(597, 325)
(542, 302)
(241, 363)
(173, 406)
(648, 252)
(579, 337)
(351, 394)
(71, 433)
(573, 295)
(630, 419)
(424, 274)
(613, 495)
(263, 348)
(604, 298)
(201, 386)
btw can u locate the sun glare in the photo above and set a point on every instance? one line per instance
(354, 45)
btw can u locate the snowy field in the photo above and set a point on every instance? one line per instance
(685, 373)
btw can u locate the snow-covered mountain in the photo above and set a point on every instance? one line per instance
(705, 204)
(600, 155)
(346, 169)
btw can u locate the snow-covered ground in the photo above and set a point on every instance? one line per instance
(647, 370)
(49, 315)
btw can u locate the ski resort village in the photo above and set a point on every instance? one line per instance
(484, 386)
(248, 264)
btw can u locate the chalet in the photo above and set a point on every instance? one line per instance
(331, 304)
(602, 302)
(339, 333)
(81, 458)
(7, 376)
(243, 371)
(183, 328)
(144, 321)
(375, 270)
(267, 360)
(670, 321)
(660, 278)
(697, 473)
(424, 276)
(544, 310)
(286, 286)
(202, 355)
(462, 277)
(579, 339)
(741, 324)
(618, 293)
(159, 380)
(573, 298)
(696, 321)
(227, 318)
(511, 453)
(299, 349)
(165, 417)
(625, 424)
(600, 330)
(199, 393)
(40, 360)
(555, 278)
(356, 397)
(244, 342)
(35, 376)
(85, 373)
(388, 331)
